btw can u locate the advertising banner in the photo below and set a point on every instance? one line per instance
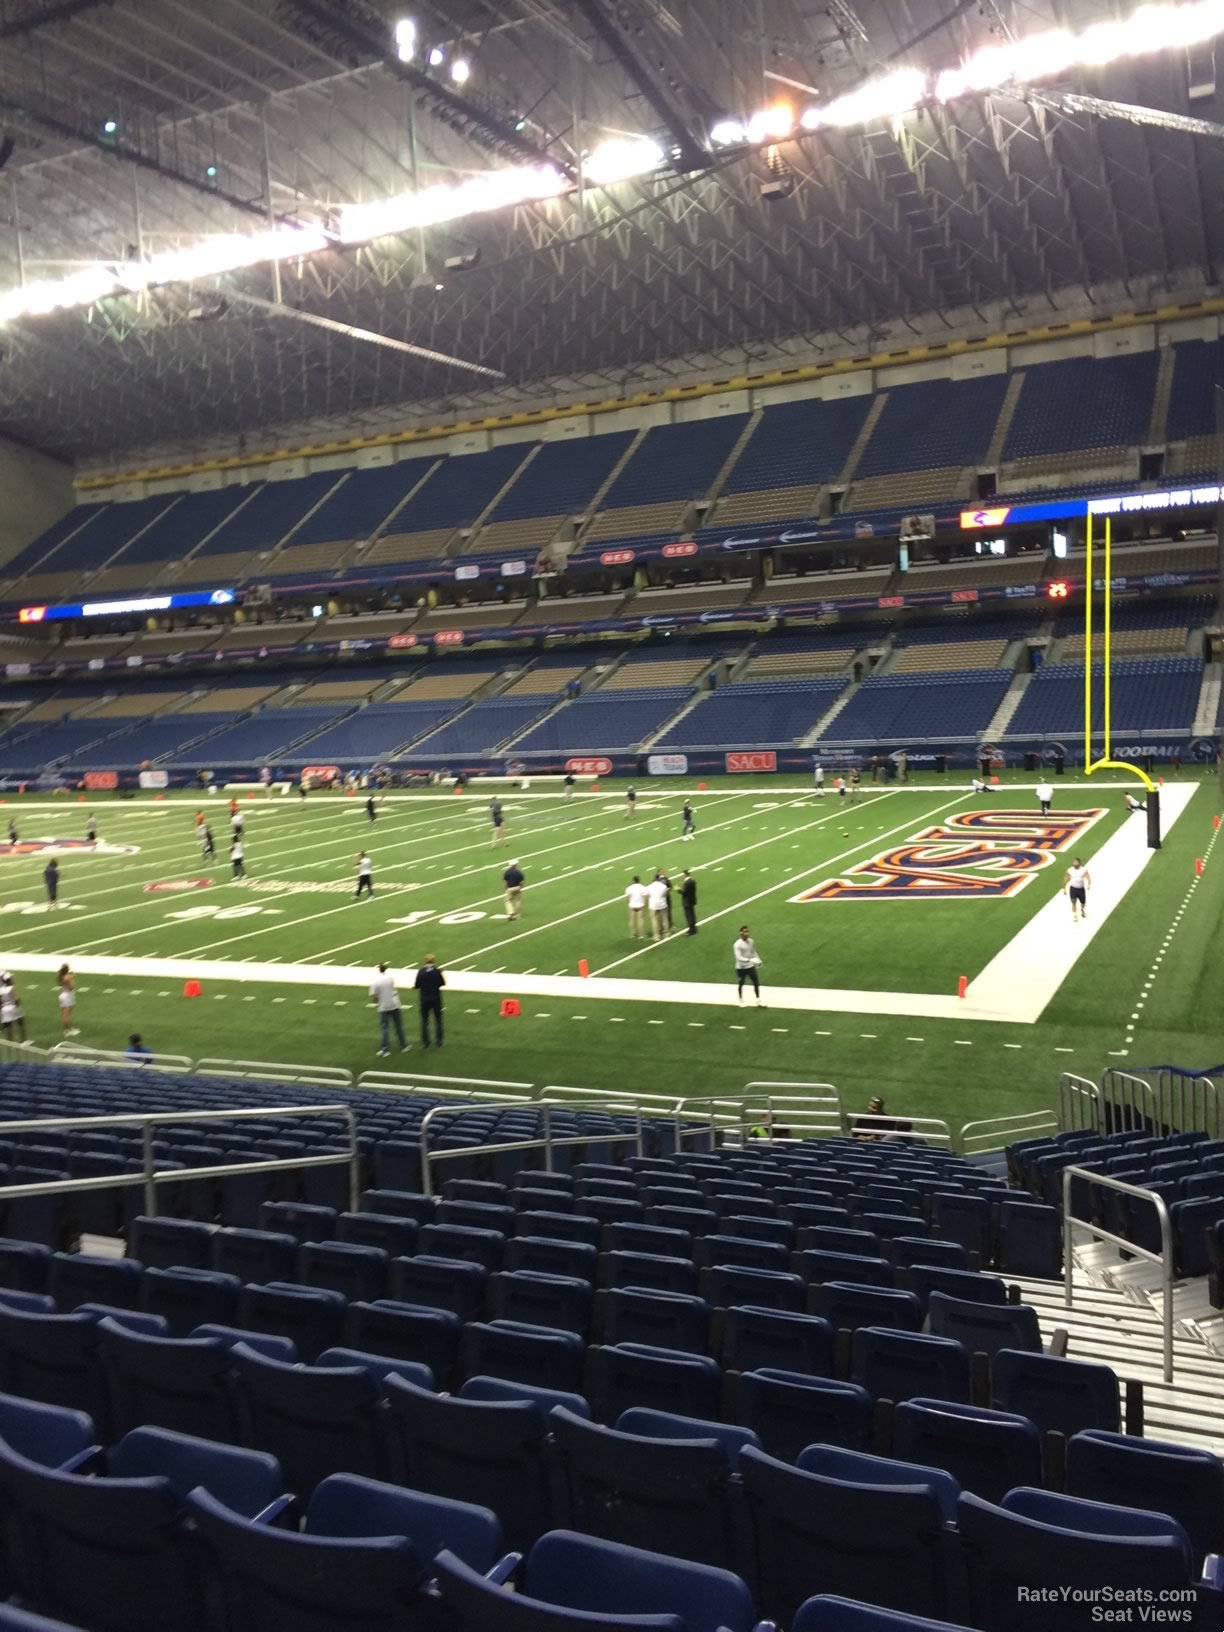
(667, 765)
(105, 781)
(758, 759)
(151, 779)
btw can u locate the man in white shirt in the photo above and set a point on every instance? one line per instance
(656, 900)
(1045, 797)
(818, 778)
(365, 877)
(237, 855)
(635, 895)
(1076, 885)
(386, 999)
(1133, 804)
(747, 962)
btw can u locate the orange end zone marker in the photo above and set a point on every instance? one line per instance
(962, 985)
(584, 968)
(191, 988)
(1198, 867)
(510, 1009)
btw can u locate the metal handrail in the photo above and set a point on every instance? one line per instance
(1002, 1129)
(1164, 1257)
(1120, 1092)
(1074, 1091)
(83, 1054)
(547, 1144)
(319, 1076)
(474, 1088)
(941, 1133)
(150, 1177)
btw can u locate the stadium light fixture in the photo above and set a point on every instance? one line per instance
(404, 35)
(728, 133)
(621, 158)
(461, 70)
(437, 57)
(110, 127)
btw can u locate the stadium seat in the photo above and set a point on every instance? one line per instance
(362, 1557)
(51, 1435)
(900, 1365)
(395, 1236)
(377, 1366)
(1030, 1240)
(648, 1272)
(520, 1352)
(257, 1256)
(394, 1203)
(498, 1388)
(1061, 1396)
(1185, 1483)
(187, 1298)
(816, 1267)
(77, 1278)
(558, 1226)
(840, 1239)
(170, 1243)
(673, 1494)
(667, 1425)
(637, 1374)
(726, 1286)
(404, 1331)
(968, 1286)
(462, 1242)
(439, 1283)
(789, 1411)
(493, 1453)
(832, 1462)
(651, 1239)
(603, 1585)
(356, 1272)
(738, 1252)
(663, 1320)
(534, 1298)
(24, 1265)
(907, 1250)
(542, 1256)
(179, 1383)
(884, 1544)
(247, 1481)
(963, 1218)
(987, 1452)
(847, 1305)
(826, 1613)
(315, 1420)
(308, 1316)
(775, 1339)
(984, 1328)
(54, 1358)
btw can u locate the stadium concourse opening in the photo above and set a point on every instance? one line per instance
(611, 705)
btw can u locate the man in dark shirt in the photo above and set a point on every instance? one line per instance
(688, 897)
(513, 878)
(429, 983)
(51, 880)
(371, 813)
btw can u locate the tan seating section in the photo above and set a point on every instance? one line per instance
(693, 598)
(1199, 453)
(54, 708)
(572, 609)
(441, 687)
(522, 537)
(335, 691)
(1130, 643)
(934, 655)
(770, 504)
(140, 576)
(823, 587)
(396, 547)
(82, 651)
(769, 665)
(229, 700)
(243, 636)
(1055, 464)
(639, 673)
(321, 558)
(220, 569)
(637, 520)
(45, 587)
(136, 705)
(1196, 556)
(543, 682)
(912, 487)
(375, 627)
(1019, 569)
(490, 615)
(177, 640)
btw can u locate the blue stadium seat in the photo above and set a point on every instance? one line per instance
(663, 1320)
(1061, 1396)
(789, 1411)
(1185, 1483)
(739, 1252)
(900, 1365)
(254, 1255)
(308, 1316)
(77, 1278)
(546, 1257)
(847, 1306)
(377, 1366)
(886, 1544)
(651, 1239)
(276, 1348)
(396, 1236)
(838, 1238)
(537, 1299)
(51, 1435)
(439, 1283)
(727, 1285)
(966, 1286)
(907, 1250)
(828, 1613)
(963, 1218)
(405, 1331)
(674, 1494)
(776, 1339)
(832, 1462)
(180, 1383)
(187, 1298)
(247, 1481)
(498, 1388)
(302, 1220)
(648, 1272)
(601, 1585)
(493, 1453)
(520, 1352)
(361, 1559)
(394, 1203)
(984, 1328)
(818, 1267)
(1030, 1239)
(24, 1265)
(54, 1358)
(619, 1377)
(642, 1420)
(170, 1243)
(462, 1242)
(355, 1271)
(315, 1420)
(476, 1215)
(23, 1620)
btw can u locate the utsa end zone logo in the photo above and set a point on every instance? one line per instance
(66, 847)
(976, 855)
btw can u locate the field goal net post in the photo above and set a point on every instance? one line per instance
(1107, 762)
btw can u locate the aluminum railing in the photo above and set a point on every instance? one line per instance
(489, 1089)
(927, 1130)
(150, 1176)
(547, 1143)
(308, 1076)
(997, 1132)
(1188, 1104)
(83, 1054)
(1079, 1103)
(1127, 1103)
(1164, 1257)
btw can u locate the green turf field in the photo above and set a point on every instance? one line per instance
(438, 890)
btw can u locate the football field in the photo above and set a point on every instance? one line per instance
(866, 914)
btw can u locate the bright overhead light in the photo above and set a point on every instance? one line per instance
(211, 172)
(110, 127)
(437, 57)
(620, 158)
(771, 124)
(728, 133)
(405, 36)
(495, 190)
(882, 98)
(461, 70)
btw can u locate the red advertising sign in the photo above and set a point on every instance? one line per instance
(399, 642)
(320, 773)
(616, 558)
(891, 600)
(101, 781)
(31, 614)
(688, 547)
(964, 594)
(759, 759)
(589, 767)
(174, 886)
(449, 637)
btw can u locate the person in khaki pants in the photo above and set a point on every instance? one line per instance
(513, 878)
(656, 898)
(636, 897)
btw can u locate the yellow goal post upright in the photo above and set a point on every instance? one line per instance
(1107, 762)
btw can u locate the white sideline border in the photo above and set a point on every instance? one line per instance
(1015, 987)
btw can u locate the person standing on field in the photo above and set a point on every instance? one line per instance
(656, 900)
(688, 899)
(365, 877)
(91, 831)
(569, 786)
(237, 859)
(630, 804)
(1076, 885)
(747, 962)
(207, 846)
(513, 879)
(371, 813)
(498, 818)
(818, 779)
(11, 1014)
(429, 983)
(1045, 797)
(635, 895)
(690, 824)
(65, 983)
(51, 880)
(387, 1001)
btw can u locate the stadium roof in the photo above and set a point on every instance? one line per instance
(140, 127)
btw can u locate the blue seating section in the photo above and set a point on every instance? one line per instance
(149, 739)
(940, 706)
(1149, 694)
(1081, 403)
(272, 511)
(359, 505)
(797, 443)
(265, 736)
(675, 462)
(1198, 367)
(479, 729)
(604, 720)
(934, 424)
(459, 489)
(179, 528)
(755, 713)
(88, 536)
(40, 553)
(374, 732)
(563, 477)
